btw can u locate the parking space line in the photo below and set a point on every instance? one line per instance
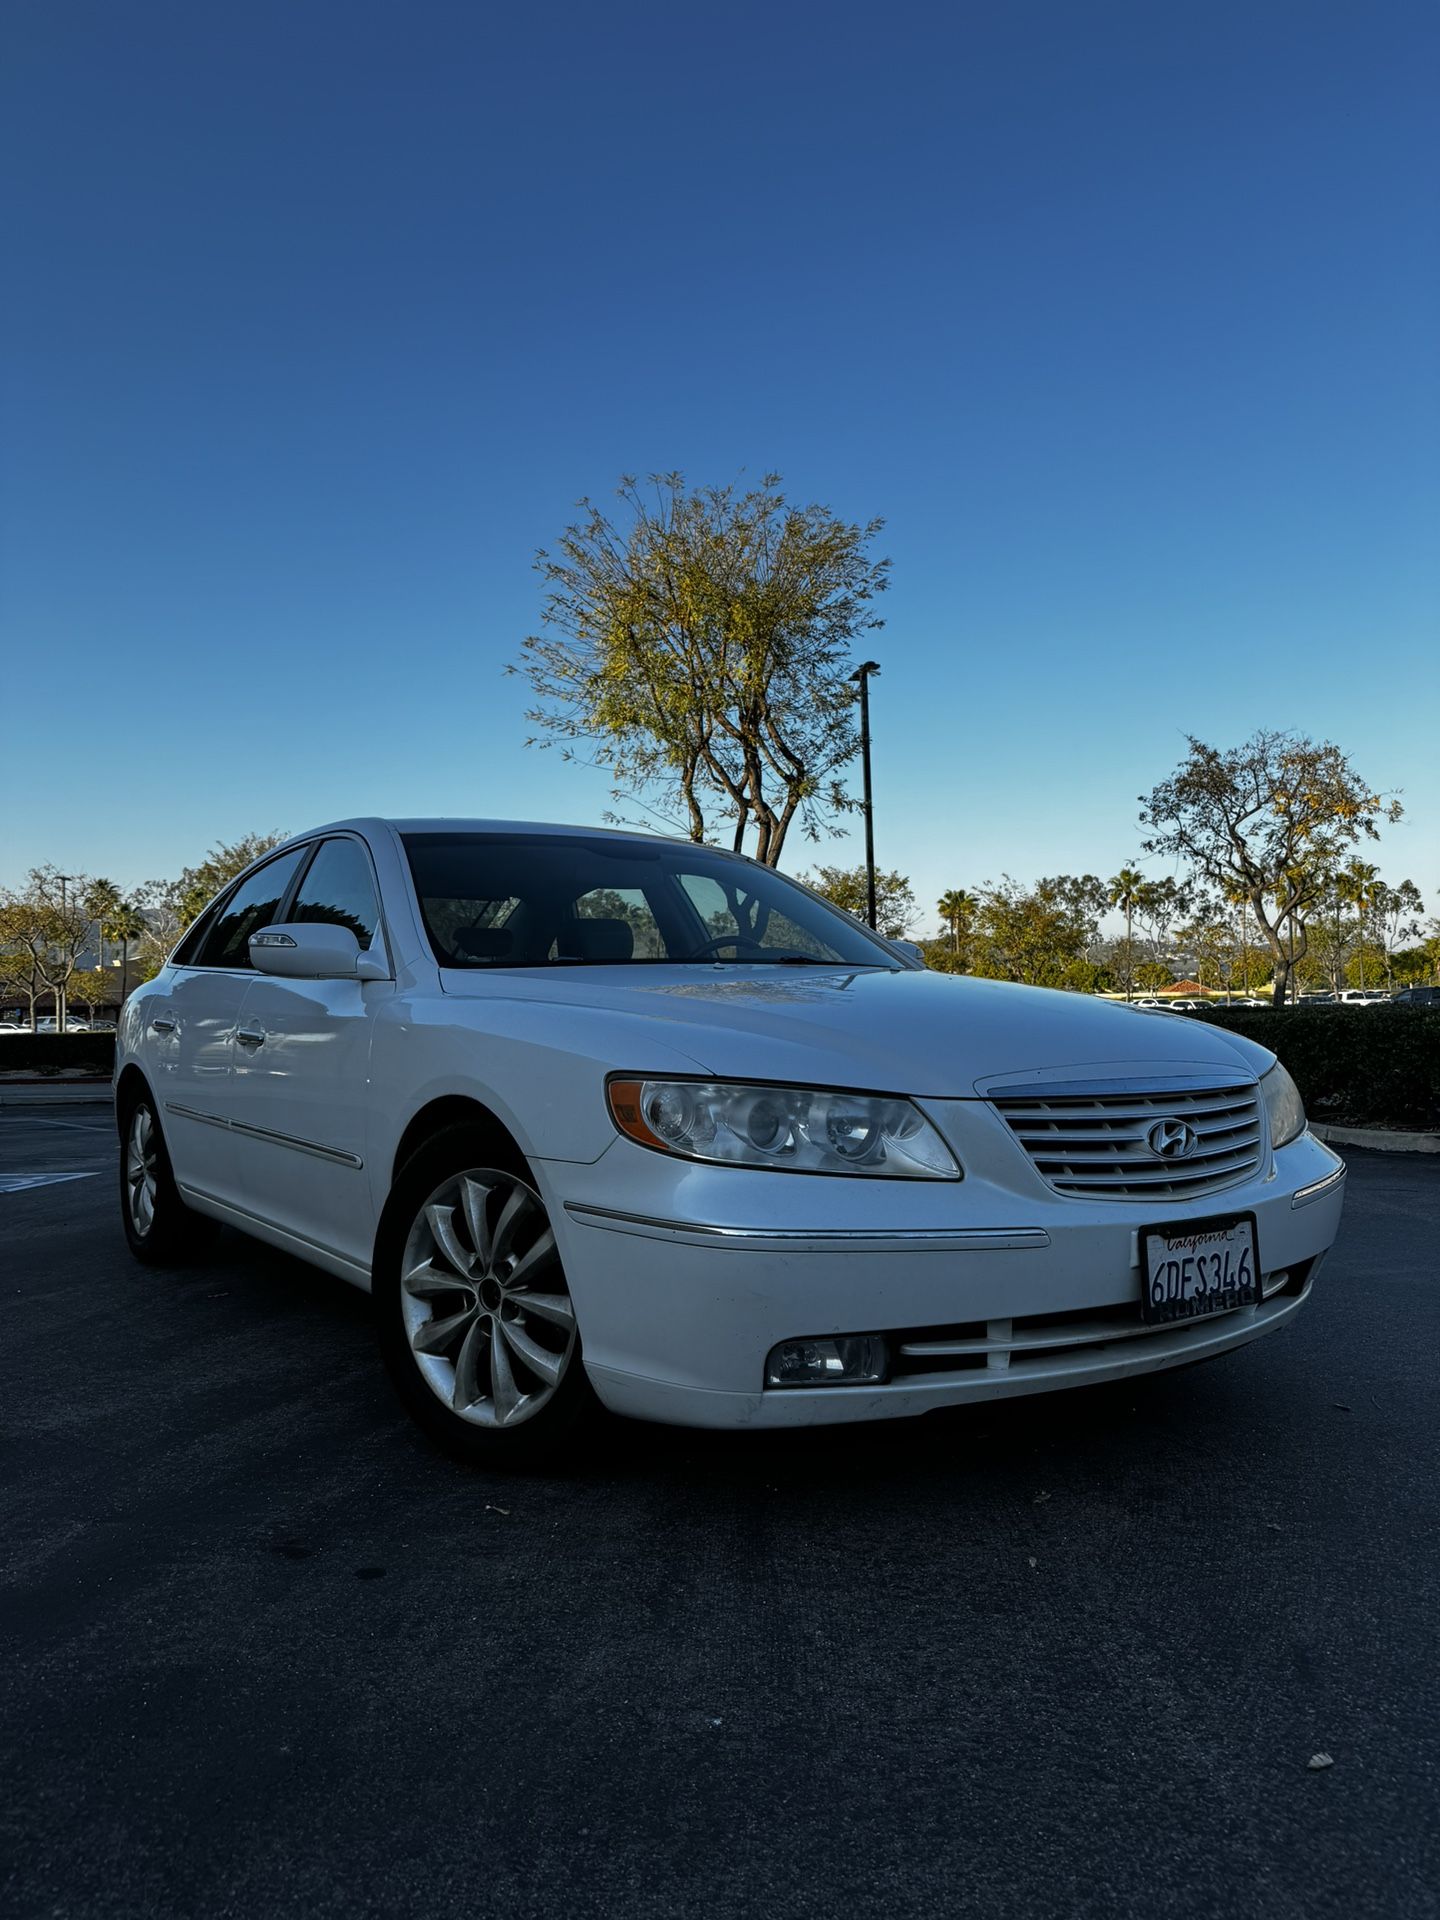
(22, 1182)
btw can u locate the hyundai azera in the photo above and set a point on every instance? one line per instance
(602, 1116)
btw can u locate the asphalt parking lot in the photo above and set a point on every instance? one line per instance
(269, 1654)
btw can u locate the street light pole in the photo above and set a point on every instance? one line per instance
(61, 1010)
(862, 673)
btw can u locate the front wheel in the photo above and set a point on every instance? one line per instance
(475, 1318)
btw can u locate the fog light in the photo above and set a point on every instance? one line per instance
(849, 1360)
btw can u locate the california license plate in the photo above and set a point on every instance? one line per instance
(1204, 1266)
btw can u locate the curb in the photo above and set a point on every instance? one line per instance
(1378, 1139)
(51, 1093)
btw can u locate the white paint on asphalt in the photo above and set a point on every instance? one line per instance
(18, 1182)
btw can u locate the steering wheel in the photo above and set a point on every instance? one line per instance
(736, 940)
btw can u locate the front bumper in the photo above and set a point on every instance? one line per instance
(685, 1276)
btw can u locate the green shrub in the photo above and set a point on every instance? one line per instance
(1354, 1066)
(51, 1053)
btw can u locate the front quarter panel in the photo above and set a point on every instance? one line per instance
(539, 1068)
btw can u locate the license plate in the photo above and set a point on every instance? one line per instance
(1204, 1266)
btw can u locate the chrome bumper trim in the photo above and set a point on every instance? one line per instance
(1317, 1188)
(843, 1239)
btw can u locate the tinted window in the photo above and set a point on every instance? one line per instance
(184, 954)
(568, 900)
(339, 890)
(254, 903)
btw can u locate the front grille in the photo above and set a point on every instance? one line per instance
(1095, 1146)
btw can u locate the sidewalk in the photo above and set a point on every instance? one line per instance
(18, 1091)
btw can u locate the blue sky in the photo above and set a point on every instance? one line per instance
(321, 317)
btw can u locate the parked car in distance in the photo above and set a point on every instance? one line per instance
(598, 1116)
(1361, 997)
(1416, 997)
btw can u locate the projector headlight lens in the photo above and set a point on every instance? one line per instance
(788, 1129)
(1284, 1106)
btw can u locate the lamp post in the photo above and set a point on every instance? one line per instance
(60, 1008)
(862, 673)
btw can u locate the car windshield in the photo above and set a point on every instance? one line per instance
(538, 900)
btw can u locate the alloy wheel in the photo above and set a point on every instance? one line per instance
(142, 1164)
(486, 1312)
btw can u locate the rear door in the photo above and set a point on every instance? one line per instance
(301, 1090)
(195, 1054)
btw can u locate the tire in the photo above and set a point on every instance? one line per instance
(472, 1308)
(160, 1229)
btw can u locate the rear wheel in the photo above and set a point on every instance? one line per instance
(475, 1318)
(161, 1230)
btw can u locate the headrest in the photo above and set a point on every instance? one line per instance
(484, 943)
(601, 939)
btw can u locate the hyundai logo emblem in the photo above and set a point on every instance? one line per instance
(1172, 1139)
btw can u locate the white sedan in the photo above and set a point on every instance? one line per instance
(602, 1116)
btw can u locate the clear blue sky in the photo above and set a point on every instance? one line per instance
(319, 317)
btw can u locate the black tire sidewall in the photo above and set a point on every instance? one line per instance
(177, 1233)
(535, 1442)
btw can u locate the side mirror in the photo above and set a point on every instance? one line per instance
(909, 951)
(311, 950)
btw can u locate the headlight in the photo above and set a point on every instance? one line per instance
(792, 1129)
(1284, 1106)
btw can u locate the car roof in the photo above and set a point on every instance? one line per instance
(466, 824)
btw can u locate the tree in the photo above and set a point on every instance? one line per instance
(102, 900)
(127, 925)
(1397, 913)
(1158, 905)
(1271, 818)
(700, 652)
(1357, 886)
(1124, 892)
(19, 972)
(957, 909)
(46, 929)
(846, 888)
(1040, 935)
(88, 988)
(165, 908)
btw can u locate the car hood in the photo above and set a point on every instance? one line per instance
(928, 1034)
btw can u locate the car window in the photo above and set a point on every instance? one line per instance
(729, 907)
(339, 890)
(184, 954)
(612, 921)
(254, 903)
(535, 900)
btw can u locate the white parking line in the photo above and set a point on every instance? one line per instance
(18, 1182)
(73, 1126)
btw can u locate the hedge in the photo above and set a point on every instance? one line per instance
(52, 1053)
(1354, 1066)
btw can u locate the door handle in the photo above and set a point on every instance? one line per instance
(250, 1036)
(163, 1023)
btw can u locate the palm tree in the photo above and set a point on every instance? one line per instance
(1359, 885)
(102, 901)
(957, 910)
(1126, 891)
(127, 923)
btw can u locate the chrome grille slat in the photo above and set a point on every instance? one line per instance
(1094, 1145)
